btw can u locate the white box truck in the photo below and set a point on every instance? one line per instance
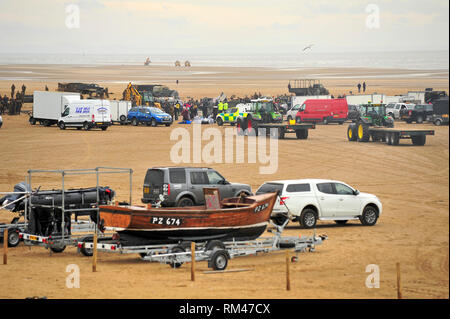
(360, 99)
(119, 111)
(48, 106)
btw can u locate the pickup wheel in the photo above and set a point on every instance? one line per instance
(369, 216)
(308, 218)
(185, 201)
(419, 140)
(438, 122)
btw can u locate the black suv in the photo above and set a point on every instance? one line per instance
(183, 186)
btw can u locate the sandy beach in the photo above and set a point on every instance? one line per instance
(412, 183)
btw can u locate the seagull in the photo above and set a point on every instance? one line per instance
(308, 47)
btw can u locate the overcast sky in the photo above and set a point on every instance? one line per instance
(221, 27)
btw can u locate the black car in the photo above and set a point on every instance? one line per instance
(183, 186)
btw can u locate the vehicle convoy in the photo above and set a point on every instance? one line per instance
(418, 114)
(323, 110)
(148, 116)
(373, 124)
(394, 109)
(48, 106)
(183, 186)
(440, 111)
(260, 112)
(231, 115)
(86, 114)
(308, 200)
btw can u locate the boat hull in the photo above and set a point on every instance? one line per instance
(245, 220)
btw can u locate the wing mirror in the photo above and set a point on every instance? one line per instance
(356, 192)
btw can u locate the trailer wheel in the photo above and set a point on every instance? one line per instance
(409, 121)
(363, 132)
(46, 123)
(104, 128)
(62, 126)
(219, 260)
(58, 248)
(419, 140)
(419, 119)
(351, 132)
(438, 122)
(301, 134)
(308, 218)
(13, 237)
(88, 252)
(394, 138)
(122, 118)
(276, 133)
(177, 249)
(369, 216)
(210, 245)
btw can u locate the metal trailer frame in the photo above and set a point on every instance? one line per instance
(393, 136)
(280, 129)
(217, 253)
(58, 243)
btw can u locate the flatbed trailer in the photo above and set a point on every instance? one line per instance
(390, 136)
(215, 252)
(279, 130)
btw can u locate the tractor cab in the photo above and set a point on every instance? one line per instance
(375, 114)
(264, 108)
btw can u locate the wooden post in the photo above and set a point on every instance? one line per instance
(5, 247)
(288, 272)
(94, 259)
(399, 286)
(192, 261)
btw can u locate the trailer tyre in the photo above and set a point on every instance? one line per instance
(308, 218)
(438, 122)
(122, 119)
(104, 128)
(419, 119)
(302, 134)
(58, 249)
(88, 252)
(351, 132)
(177, 249)
(419, 140)
(394, 138)
(214, 244)
(219, 260)
(13, 237)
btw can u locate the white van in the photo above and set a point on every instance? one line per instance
(86, 114)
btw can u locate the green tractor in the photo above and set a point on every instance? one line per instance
(370, 115)
(261, 111)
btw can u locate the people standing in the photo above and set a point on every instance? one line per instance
(364, 86)
(13, 88)
(46, 88)
(23, 90)
(225, 106)
(359, 87)
(177, 110)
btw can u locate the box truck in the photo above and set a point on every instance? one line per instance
(48, 106)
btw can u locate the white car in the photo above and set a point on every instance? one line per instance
(309, 200)
(393, 109)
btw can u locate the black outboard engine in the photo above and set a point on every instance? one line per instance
(19, 205)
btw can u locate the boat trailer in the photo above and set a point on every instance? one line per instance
(215, 252)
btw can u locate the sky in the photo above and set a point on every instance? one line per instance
(222, 27)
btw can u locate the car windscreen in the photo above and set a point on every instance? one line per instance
(156, 110)
(269, 188)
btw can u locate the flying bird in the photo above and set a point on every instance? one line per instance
(307, 47)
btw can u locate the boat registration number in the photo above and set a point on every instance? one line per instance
(166, 221)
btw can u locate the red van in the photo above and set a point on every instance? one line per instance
(323, 110)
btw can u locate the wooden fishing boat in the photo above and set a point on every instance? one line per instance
(239, 218)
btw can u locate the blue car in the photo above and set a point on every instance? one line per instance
(148, 115)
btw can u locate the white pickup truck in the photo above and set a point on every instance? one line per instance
(309, 200)
(394, 109)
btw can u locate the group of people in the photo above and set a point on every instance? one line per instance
(363, 87)
(12, 105)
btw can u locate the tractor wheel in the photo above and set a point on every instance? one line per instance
(419, 140)
(351, 132)
(394, 139)
(363, 132)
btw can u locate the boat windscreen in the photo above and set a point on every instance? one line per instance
(269, 188)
